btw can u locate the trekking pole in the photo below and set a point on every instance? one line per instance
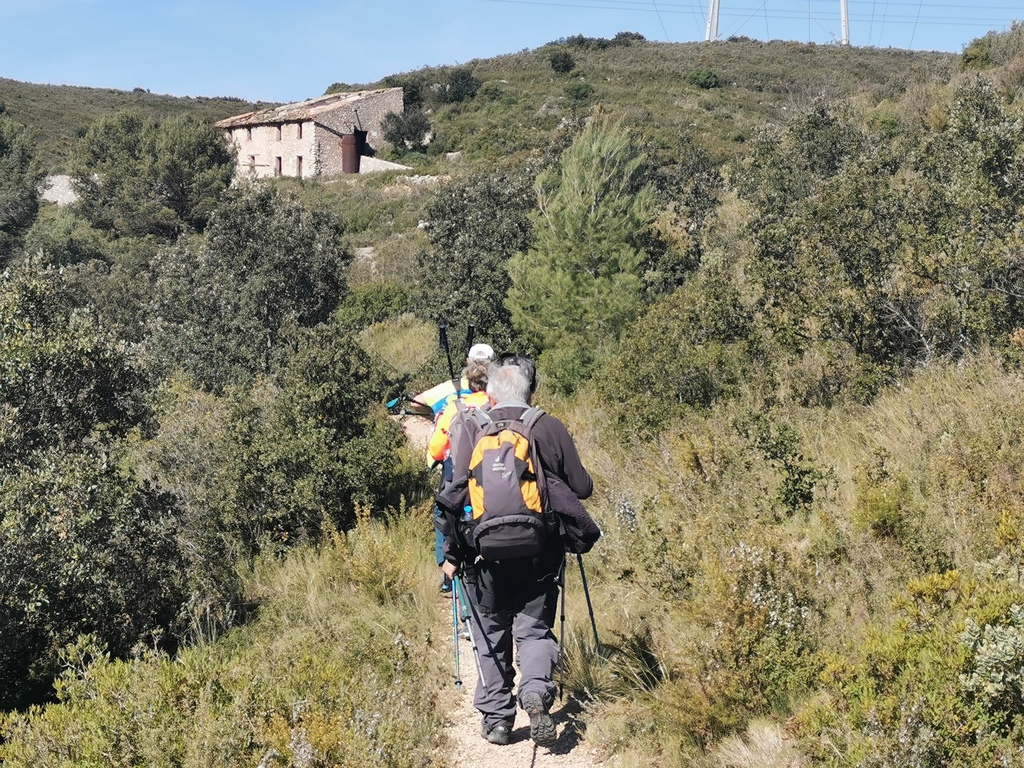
(442, 333)
(470, 330)
(590, 605)
(559, 664)
(455, 640)
(458, 590)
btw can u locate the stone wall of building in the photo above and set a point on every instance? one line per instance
(367, 114)
(275, 150)
(305, 139)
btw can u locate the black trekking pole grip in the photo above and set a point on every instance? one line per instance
(442, 334)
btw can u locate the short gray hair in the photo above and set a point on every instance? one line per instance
(508, 384)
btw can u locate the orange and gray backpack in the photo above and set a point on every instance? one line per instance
(507, 515)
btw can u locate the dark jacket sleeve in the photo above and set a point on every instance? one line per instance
(559, 456)
(579, 531)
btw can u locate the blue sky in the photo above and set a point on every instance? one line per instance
(283, 50)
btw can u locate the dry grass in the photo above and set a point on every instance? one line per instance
(674, 511)
(763, 745)
(406, 343)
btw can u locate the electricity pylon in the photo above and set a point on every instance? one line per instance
(712, 30)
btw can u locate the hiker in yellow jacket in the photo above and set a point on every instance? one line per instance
(437, 397)
(442, 399)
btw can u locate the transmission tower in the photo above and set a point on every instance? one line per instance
(712, 30)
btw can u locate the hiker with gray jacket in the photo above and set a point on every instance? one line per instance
(512, 599)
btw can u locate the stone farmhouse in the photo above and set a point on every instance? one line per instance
(324, 136)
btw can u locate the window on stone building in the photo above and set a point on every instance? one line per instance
(298, 131)
(279, 133)
(298, 166)
(248, 134)
(277, 166)
(252, 163)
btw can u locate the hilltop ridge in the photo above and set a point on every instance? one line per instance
(717, 89)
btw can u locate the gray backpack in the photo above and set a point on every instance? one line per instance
(507, 515)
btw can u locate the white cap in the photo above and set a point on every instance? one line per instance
(480, 352)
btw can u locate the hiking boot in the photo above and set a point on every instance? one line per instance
(542, 727)
(499, 734)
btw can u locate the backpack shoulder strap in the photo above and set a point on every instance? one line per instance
(530, 416)
(480, 416)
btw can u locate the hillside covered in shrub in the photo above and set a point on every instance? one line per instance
(776, 291)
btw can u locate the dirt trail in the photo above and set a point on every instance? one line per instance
(468, 749)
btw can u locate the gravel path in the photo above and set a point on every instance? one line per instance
(470, 750)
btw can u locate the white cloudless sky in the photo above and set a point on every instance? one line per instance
(290, 50)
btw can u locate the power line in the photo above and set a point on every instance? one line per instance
(661, 20)
(650, 6)
(861, 11)
(913, 32)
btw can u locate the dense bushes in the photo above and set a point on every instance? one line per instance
(19, 185)
(934, 268)
(408, 131)
(136, 177)
(703, 78)
(429, 87)
(939, 688)
(687, 351)
(475, 226)
(223, 302)
(87, 549)
(83, 545)
(328, 673)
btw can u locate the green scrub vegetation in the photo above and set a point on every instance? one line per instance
(783, 322)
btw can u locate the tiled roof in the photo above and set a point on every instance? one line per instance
(302, 110)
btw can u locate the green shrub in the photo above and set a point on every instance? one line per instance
(884, 503)
(703, 78)
(758, 606)
(327, 675)
(60, 238)
(977, 54)
(779, 444)
(579, 92)
(562, 62)
(370, 303)
(938, 688)
(407, 131)
(476, 224)
(688, 350)
(491, 91)
(19, 184)
(87, 550)
(224, 303)
(459, 85)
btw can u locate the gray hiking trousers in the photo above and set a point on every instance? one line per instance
(514, 601)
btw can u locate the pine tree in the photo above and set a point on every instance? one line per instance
(581, 284)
